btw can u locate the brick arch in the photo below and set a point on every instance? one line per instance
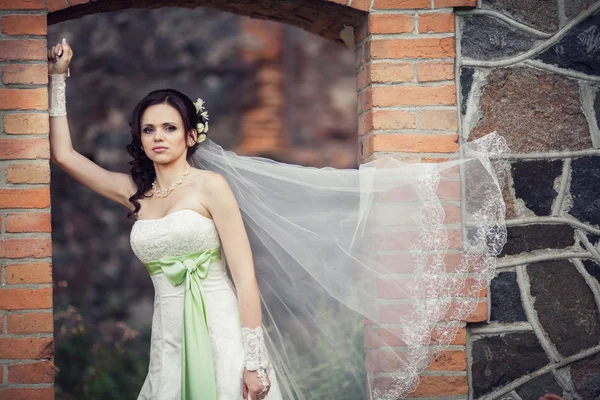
(322, 17)
(407, 107)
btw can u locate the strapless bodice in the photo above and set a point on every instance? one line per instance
(182, 233)
(178, 233)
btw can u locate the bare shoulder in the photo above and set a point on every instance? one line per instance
(210, 181)
(215, 193)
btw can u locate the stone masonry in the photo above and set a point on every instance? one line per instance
(530, 70)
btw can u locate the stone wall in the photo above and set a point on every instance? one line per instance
(531, 70)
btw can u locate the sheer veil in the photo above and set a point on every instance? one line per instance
(366, 274)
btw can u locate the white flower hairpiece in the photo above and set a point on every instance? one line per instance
(201, 126)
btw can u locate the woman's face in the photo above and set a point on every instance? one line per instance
(163, 136)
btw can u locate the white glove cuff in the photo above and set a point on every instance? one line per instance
(57, 97)
(255, 350)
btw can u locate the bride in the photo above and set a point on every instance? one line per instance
(323, 312)
(201, 203)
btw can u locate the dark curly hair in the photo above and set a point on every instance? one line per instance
(142, 167)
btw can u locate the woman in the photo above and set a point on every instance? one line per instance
(363, 275)
(204, 198)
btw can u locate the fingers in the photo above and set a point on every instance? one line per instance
(60, 49)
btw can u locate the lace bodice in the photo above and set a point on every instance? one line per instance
(177, 233)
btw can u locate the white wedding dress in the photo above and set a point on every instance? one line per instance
(179, 233)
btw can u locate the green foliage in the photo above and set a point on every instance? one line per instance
(331, 373)
(93, 365)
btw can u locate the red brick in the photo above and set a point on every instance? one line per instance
(478, 315)
(365, 100)
(27, 394)
(413, 48)
(391, 23)
(401, 4)
(391, 337)
(449, 190)
(36, 372)
(25, 198)
(413, 95)
(30, 323)
(55, 5)
(21, 5)
(365, 123)
(393, 313)
(441, 386)
(25, 299)
(439, 120)
(391, 72)
(455, 3)
(23, 49)
(435, 71)
(28, 173)
(18, 148)
(394, 119)
(26, 348)
(362, 54)
(434, 160)
(363, 77)
(399, 288)
(459, 339)
(446, 190)
(28, 247)
(28, 222)
(365, 148)
(16, 24)
(25, 73)
(40, 272)
(397, 263)
(436, 23)
(362, 5)
(24, 99)
(22, 123)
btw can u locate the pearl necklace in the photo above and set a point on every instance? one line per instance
(164, 193)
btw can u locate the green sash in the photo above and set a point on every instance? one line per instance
(197, 371)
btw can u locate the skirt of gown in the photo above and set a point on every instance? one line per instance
(185, 232)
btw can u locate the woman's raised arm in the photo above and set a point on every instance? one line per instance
(112, 185)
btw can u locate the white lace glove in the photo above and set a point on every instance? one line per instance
(57, 105)
(255, 353)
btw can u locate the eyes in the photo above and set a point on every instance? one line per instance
(146, 130)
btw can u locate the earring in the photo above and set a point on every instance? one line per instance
(142, 147)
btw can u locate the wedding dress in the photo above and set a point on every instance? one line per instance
(365, 275)
(181, 233)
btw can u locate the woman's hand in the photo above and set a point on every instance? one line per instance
(251, 385)
(59, 57)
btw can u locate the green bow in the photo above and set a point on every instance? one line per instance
(197, 371)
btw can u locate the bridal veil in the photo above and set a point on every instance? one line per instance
(366, 274)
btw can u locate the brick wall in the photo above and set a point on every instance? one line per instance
(26, 325)
(406, 104)
(407, 108)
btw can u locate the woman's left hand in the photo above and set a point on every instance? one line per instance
(252, 385)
